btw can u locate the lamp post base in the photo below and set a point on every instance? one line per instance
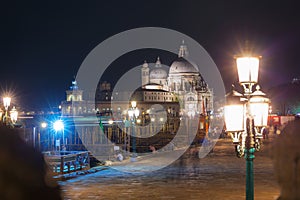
(249, 156)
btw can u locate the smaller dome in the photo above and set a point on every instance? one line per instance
(158, 73)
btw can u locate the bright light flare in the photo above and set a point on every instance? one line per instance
(14, 115)
(44, 124)
(110, 121)
(247, 69)
(6, 102)
(58, 125)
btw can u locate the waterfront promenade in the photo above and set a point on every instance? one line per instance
(220, 175)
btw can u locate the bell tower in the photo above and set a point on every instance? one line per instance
(145, 74)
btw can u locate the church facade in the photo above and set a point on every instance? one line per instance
(184, 81)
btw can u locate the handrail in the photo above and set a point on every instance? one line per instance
(70, 162)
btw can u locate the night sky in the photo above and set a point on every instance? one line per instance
(43, 43)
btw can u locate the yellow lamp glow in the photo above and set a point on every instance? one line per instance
(136, 112)
(259, 108)
(247, 69)
(130, 113)
(133, 104)
(6, 102)
(14, 115)
(44, 124)
(234, 117)
(1, 113)
(234, 112)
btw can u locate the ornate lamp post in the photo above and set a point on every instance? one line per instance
(13, 115)
(133, 114)
(246, 116)
(11, 119)
(6, 103)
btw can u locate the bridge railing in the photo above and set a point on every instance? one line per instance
(63, 162)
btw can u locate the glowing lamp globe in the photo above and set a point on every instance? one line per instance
(14, 115)
(44, 124)
(234, 112)
(133, 104)
(136, 112)
(247, 68)
(259, 108)
(130, 113)
(234, 117)
(6, 102)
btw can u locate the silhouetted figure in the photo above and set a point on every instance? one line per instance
(23, 171)
(286, 157)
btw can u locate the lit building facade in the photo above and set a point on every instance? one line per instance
(184, 81)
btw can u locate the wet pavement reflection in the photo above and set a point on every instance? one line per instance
(220, 175)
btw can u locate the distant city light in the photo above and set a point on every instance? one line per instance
(44, 124)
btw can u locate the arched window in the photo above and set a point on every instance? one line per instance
(190, 99)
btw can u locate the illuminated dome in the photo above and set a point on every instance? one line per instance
(181, 65)
(158, 72)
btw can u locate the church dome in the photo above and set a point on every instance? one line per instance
(158, 72)
(181, 65)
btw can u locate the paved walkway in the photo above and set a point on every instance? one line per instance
(220, 175)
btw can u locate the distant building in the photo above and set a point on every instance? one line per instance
(183, 85)
(166, 101)
(74, 104)
(184, 81)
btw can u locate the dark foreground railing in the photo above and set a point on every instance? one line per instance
(63, 162)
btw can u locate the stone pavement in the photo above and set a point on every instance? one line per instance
(219, 175)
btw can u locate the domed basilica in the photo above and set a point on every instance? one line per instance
(183, 80)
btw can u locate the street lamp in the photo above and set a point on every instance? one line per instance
(245, 116)
(12, 118)
(259, 106)
(133, 114)
(6, 103)
(14, 115)
(44, 124)
(59, 126)
(234, 116)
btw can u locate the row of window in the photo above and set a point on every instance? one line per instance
(159, 98)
